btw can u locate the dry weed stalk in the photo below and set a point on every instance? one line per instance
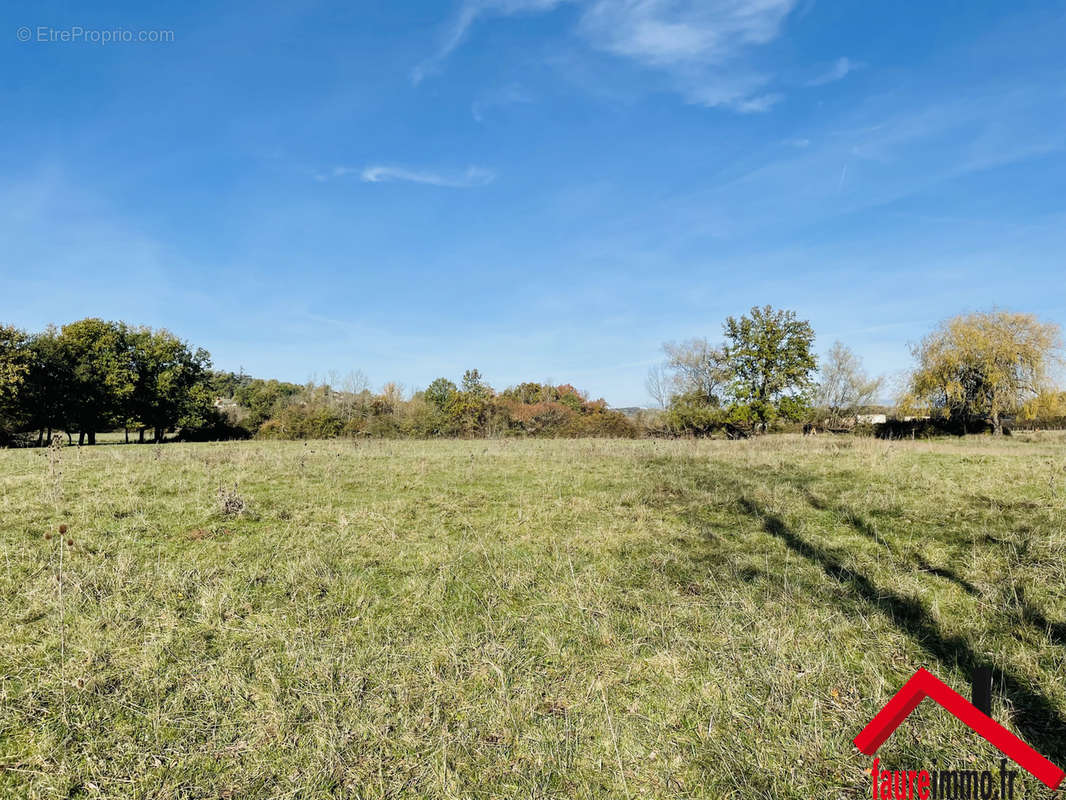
(230, 502)
(55, 467)
(63, 619)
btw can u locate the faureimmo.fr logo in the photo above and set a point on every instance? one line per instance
(923, 784)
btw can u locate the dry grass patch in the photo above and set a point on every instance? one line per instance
(518, 618)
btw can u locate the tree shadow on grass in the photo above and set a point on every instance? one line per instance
(867, 529)
(1039, 721)
(1027, 614)
(1056, 631)
(946, 574)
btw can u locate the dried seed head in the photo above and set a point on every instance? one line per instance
(70, 542)
(63, 528)
(47, 537)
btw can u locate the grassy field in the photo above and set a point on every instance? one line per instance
(519, 618)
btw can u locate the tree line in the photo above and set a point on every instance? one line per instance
(972, 372)
(95, 375)
(471, 408)
(91, 376)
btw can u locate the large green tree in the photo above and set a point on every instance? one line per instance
(14, 366)
(770, 359)
(168, 380)
(102, 374)
(48, 393)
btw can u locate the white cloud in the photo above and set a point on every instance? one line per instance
(470, 177)
(662, 32)
(699, 44)
(840, 69)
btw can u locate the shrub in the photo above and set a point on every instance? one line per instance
(215, 427)
(691, 415)
(603, 423)
(539, 418)
(303, 421)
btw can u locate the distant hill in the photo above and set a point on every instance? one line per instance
(630, 411)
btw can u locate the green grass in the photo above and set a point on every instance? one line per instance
(519, 618)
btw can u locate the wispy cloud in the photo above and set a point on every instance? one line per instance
(663, 32)
(469, 13)
(700, 45)
(470, 177)
(753, 105)
(888, 148)
(726, 87)
(509, 95)
(840, 69)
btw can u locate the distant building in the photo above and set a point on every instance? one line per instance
(871, 419)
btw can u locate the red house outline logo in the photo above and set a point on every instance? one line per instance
(924, 684)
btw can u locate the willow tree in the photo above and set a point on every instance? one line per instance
(982, 366)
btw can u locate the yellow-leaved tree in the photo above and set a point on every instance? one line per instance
(1049, 404)
(982, 366)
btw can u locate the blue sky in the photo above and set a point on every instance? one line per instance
(543, 190)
